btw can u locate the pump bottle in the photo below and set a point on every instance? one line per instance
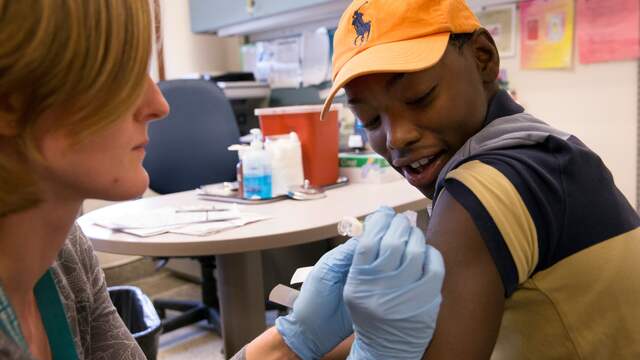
(256, 170)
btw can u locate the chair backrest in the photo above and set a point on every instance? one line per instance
(189, 147)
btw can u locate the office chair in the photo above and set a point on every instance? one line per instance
(189, 149)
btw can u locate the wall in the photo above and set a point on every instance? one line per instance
(597, 103)
(187, 53)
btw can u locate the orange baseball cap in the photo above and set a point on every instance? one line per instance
(385, 36)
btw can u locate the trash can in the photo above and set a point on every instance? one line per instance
(140, 317)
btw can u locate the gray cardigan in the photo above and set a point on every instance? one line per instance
(98, 331)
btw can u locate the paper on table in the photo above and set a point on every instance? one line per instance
(145, 232)
(164, 217)
(195, 229)
(203, 229)
(207, 207)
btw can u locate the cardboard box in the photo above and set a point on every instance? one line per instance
(369, 168)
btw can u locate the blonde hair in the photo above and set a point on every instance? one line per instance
(87, 57)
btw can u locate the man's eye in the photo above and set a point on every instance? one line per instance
(422, 100)
(371, 124)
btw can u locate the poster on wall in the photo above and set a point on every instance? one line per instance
(546, 33)
(608, 30)
(500, 21)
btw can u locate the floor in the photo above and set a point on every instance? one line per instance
(197, 342)
(192, 342)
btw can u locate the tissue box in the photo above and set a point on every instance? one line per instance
(368, 168)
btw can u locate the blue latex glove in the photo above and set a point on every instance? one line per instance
(320, 320)
(393, 289)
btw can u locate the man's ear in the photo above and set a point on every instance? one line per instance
(486, 55)
(8, 116)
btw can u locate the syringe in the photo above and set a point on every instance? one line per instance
(350, 226)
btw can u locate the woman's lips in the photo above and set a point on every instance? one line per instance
(141, 145)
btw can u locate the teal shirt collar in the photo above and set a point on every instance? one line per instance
(53, 317)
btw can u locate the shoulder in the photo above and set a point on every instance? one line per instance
(515, 198)
(535, 205)
(76, 260)
(73, 272)
(78, 241)
(473, 293)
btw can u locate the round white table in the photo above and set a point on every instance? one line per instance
(237, 251)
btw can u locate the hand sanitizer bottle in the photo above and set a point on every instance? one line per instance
(256, 168)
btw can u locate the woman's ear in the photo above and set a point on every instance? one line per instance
(486, 55)
(8, 116)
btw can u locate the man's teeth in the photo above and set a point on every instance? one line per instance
(418, 164)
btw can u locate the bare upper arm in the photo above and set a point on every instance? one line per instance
(473, 293)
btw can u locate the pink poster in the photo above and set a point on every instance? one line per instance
(546, 33)
(608, 30)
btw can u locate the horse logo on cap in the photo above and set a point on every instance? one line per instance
(363, 28)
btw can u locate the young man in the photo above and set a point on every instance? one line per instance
(540, 247)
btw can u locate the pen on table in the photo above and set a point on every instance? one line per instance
(201, 210)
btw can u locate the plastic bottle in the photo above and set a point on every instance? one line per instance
(357, 141)
(239, 174)
(296, 169)
(286, 162)
(256, 169)
(273, 144)
(241, 149)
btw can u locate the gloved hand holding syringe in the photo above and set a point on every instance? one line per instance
(365, 285)
(350, 227)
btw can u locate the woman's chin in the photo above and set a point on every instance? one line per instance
(127, 189)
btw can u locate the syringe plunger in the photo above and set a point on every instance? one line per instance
(350, 226)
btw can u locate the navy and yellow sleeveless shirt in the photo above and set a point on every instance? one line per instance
(564, 239)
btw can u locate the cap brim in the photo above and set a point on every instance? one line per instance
(402, 56)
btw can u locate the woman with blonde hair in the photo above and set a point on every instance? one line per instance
(75, 103)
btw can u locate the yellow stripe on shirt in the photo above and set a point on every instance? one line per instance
(507, 209)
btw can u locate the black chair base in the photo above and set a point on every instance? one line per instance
(196, 311)
(192, 312)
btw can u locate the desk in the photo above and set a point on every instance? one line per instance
(237, 251)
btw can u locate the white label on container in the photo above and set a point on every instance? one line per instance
(283, 295)
(301, 275)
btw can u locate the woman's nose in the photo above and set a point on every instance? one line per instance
(153, 106)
